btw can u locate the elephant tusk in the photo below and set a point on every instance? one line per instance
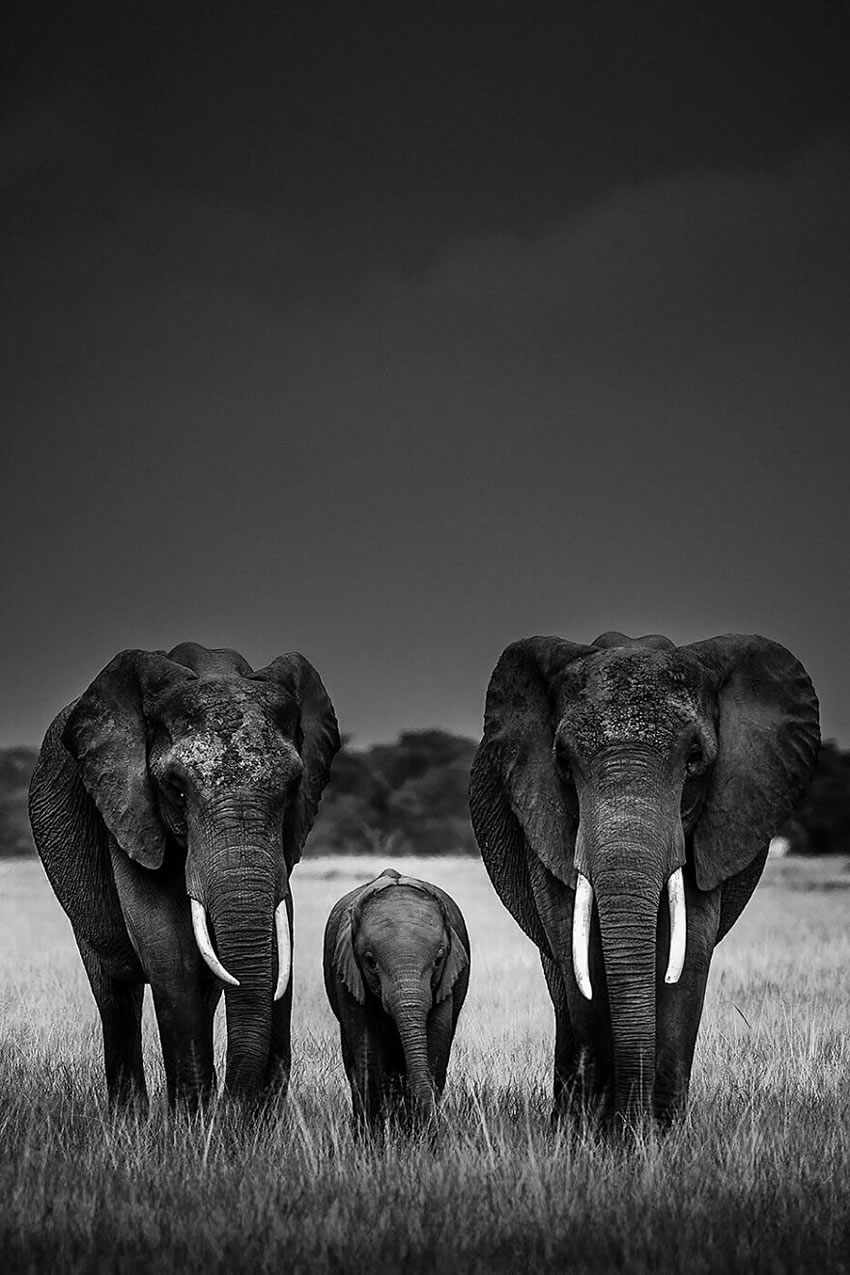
(284, 952)
(205, 947)
(678, 926)
(581, 935)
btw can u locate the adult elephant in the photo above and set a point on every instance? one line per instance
(609, 775)
(169, 806)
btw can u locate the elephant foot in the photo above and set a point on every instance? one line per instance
(370, 1131)
(392, 1118)
(669, 1108)
(191, 1101)
(581, 1098)
(370, 1115)
(670, 1091)
(276, 1083)
(418, 1124)
(129, 1102)
(581, 1118)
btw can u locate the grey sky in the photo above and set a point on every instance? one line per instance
(276, 374)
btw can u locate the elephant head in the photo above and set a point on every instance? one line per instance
(401, 943)
(194, 759)
(611, 767)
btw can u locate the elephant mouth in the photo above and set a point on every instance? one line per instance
(208, 952)
(583, 909)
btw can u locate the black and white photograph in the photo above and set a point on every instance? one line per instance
(425, 654)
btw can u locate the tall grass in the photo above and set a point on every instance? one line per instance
(756, 1177)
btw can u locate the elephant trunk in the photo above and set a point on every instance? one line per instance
(235, 879)
(408, 1007)
(628, 915)
(630, 844)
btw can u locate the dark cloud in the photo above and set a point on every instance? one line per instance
(636, 419)
(393, 335)
(383, 132)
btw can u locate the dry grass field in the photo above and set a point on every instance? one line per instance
(756, 1178)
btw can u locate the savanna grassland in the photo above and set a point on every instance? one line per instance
(755, 1178)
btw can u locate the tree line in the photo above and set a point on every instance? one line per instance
(410, 797)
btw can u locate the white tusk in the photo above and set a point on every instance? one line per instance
(284, 953)
(678, 926)
(205, 947)
(581, 935)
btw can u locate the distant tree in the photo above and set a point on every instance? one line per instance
(431, 809)
(821, 823)
(351, 815)
(16, 767)
(416, 752)
(409, 797)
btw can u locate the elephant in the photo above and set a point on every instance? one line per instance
(169, 805)
(396, 966)
(611, 776)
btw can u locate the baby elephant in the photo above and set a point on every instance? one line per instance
(396, 974)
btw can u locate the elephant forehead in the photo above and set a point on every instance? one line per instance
(625, 695)
(247, 751)
(398, 913)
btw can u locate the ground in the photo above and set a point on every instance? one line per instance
(755, 1178)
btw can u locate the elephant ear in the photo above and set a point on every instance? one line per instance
(768, 738)
(456, 962)
(345, 961)
(519, 733)
(317, 740)
(106, 734)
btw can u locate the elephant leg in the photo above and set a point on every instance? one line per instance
(440, 1034)
(365, 1066)
(280, 1044)
(280, 1054)
(565, 1069)
(397, 1096)
(584, 1060)
(119, 1002)
(679, 1005)
(186, 1035)
(584, 1065)
(584, 1045)
(158, 919)
(397, 1103)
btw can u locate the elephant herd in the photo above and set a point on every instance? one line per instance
(623, 796)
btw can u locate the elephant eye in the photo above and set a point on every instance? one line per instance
(441, 952)
(694, 756)
(369, 959)
(564, 763)
(176, 791)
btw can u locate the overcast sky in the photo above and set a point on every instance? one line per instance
(393, 333)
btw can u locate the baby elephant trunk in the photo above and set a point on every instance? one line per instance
(409, 1005)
